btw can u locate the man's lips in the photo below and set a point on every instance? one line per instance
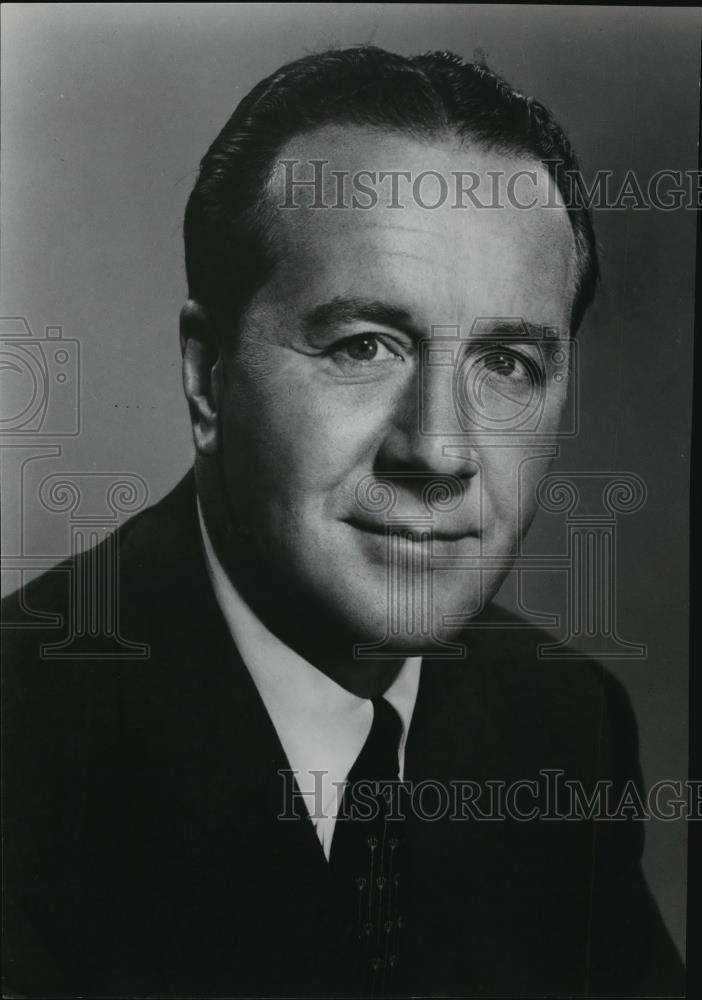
(439, 534)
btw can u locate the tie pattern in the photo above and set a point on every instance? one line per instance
(368, 851)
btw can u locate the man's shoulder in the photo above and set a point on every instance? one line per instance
(101, 627)
(151, 544)
(512, 651)
(549, 695)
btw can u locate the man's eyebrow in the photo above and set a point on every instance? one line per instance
(347, 309)
(520, 329)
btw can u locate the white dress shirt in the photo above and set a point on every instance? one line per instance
(321, 726)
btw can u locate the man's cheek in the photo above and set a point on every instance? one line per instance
(319, 462)
(330, 442)
(508, 480)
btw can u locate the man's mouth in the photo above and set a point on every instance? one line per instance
(414, 531)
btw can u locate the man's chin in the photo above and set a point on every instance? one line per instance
(403, 646)
(374, 634)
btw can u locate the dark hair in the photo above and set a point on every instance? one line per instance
(228, 220)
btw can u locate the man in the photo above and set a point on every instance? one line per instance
(191, 824)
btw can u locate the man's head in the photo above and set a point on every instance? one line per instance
(314, 391)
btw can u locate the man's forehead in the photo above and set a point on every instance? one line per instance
(345, 233)
(351, 180)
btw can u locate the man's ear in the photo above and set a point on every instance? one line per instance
(201, 374)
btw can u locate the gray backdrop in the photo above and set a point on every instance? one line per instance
(106, 111)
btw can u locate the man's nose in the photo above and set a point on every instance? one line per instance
(425, 434)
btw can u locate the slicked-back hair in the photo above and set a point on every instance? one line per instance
(229, 220)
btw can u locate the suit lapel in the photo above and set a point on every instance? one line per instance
(215, 782)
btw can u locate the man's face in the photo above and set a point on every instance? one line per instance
(334, 420)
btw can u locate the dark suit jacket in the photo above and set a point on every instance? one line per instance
(142, 851)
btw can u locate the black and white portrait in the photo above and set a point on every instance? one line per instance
(346, 367)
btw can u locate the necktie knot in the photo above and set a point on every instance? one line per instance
(379, 760)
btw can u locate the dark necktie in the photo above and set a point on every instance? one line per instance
(367, 851)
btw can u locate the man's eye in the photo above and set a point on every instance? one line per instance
(507, 364)
(367, 347)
